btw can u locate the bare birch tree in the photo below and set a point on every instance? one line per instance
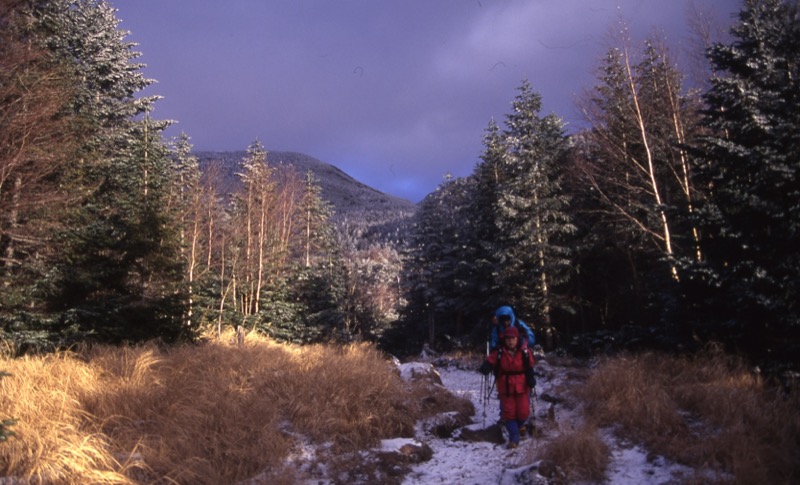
(634, 153)
(37, 138)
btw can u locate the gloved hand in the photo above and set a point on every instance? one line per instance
(530, 379)
(486, 368)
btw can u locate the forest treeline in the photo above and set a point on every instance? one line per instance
(110, 232)
(672, 214)
(670, 219)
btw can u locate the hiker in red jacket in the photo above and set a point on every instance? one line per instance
(512, 364)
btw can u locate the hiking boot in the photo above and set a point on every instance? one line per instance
(512, 445)
(523, 432)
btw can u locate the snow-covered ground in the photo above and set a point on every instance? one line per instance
(464, 462)
(461, 462)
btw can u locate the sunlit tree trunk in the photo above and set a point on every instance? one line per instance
(684, 176)
(649, 167)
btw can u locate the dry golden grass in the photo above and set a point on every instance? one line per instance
(54, 442)
(205, 414)
(709, 411)
(581, 454)
(218, 413)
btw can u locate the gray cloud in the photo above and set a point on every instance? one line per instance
(395, 93)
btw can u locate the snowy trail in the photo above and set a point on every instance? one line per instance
(471, 463)
(464, 462)
(459, 461)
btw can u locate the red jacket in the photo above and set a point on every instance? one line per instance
(510, 370)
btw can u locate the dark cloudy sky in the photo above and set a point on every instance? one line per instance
(397, 93)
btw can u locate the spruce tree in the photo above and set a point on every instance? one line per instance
(316, 280)
(533, 217)
(439, 268)
(488, 177)
(38, 141)
(317, 231)
(500, 236)
(120, 268)
(752, 222)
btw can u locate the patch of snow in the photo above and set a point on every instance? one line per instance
(458, 461)
(397, 443)
(462, 462)
(411, 369)
(630, 466)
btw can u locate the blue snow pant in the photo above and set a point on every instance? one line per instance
(513, 426)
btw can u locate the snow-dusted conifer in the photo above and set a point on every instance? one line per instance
(122, 250)
(752, 171)
(533, 219)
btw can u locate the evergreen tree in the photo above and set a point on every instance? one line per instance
(501, 235)
(186, 175)
(120, 266)
(438, 268)
(316, 283)
(37, 143)
(323, 289)
(533, 216)
(488, 176)
(317, 212)
(752, 222)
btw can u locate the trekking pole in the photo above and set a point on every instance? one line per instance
(484, 383)
(484, 389)
(483, 397)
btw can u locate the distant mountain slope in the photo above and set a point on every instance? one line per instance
(347, 195)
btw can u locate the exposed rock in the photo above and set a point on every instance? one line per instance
(419, 371)
(540, 473)
(445, 424)
(427, 353)
(416, 452)
(490, 434)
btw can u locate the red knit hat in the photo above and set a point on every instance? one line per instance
(511, 332)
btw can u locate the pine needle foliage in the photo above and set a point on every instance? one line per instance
(751, 222)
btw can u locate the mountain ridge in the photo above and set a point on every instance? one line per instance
(347, 195)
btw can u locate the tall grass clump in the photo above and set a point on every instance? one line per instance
(581, 454)
(201, 414)
(54, 441)
(707, 411)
